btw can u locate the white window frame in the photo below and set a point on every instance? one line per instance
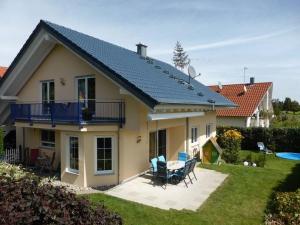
(208, 131)
(47, 142)
(68, 169)
(85, 77)
(48, 89)
(194, 140)
(103, 172)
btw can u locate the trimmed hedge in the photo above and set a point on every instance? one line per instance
(276, 139)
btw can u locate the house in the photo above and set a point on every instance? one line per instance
(254, 102)
(103, 109)
(2, 71)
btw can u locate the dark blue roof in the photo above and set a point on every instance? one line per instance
(156, 79)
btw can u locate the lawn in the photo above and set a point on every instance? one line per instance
(242, 199)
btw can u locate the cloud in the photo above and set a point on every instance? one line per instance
(229, 42)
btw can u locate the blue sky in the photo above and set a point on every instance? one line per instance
(221, 37)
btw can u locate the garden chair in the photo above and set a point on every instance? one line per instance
(261, 146)
(163, 173)
(154, 166)
(161, 158)
(183, 156)
(47, 164)
(192, 167)
(183, 173)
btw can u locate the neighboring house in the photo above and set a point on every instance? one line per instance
(254, 102)
(103, 109)
(2, 71)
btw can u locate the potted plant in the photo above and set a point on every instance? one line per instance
(87, 114)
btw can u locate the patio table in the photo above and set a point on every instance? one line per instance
(175, 165)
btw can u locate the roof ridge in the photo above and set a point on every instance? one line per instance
(266, 82)
(88, 35)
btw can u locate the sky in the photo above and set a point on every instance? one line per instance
(221, 37)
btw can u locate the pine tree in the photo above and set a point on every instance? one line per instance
(180, 58)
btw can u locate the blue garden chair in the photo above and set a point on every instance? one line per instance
(161, 158)
(183, 156)
(183, 173)
(163, 173)
(154, 166)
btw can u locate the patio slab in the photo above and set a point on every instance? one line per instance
(143, 190)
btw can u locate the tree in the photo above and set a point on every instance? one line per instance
(180, 57)
(287, 104)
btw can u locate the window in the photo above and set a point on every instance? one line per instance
(48, 138)
(104, 155)
(47, 95)
(157, 144)
(208, 130)
(194, 134)
(86, 92)
(73, 154)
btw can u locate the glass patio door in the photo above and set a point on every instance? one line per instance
(47, 96)
(87, 93)
(158, 144)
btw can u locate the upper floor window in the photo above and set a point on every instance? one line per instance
(194, 134)
(208, 130)
(86, 91)
(48, 91)
(48, 138)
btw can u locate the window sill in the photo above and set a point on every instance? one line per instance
(73, 172)
(109, 173)
(47, 148)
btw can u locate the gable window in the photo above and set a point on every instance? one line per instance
(73, 152)
(87, 92)
(48, 138)
(194, 134)
(208, 130)
(104, 155)
(47, 95)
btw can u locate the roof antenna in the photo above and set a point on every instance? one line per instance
(192, 73)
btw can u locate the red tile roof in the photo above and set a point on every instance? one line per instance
(2, 71)
(246, 101)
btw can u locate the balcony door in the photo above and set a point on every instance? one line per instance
(87, 92)
(47, 96)
(158, 144)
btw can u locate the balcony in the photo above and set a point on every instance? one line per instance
(77, 113)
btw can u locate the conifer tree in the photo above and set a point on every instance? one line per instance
(180, 57)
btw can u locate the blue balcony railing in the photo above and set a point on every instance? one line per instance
(91, 112)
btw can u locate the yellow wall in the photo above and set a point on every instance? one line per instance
(62, 64)
(131, 140)
(231, 121)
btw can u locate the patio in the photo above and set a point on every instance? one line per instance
(143, 190)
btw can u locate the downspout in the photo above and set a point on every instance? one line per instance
(187, 135)
(118, 155)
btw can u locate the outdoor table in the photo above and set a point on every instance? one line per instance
(175, 165)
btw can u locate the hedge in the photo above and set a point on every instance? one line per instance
(277, 139)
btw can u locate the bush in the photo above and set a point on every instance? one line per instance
(230, 141)
(1, 142)
(25, 200)
(260, 160)
(276, 139)
(285, 208)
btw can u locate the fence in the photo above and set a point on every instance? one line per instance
(12, 156)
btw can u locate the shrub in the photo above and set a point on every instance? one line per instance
(285, 208)
(1, 142)
(277, 139)
(260, 160)
(230, 141)
(25, 200)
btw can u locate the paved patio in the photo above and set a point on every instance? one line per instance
(143, 190)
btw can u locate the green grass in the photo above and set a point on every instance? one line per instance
(242, 199)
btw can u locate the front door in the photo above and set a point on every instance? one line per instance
(158, 144)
